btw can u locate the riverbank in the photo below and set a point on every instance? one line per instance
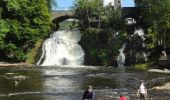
(166, 71)
(6, 64)
(166, 86)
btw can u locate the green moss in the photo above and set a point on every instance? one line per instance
(33, 53)
(143, 66)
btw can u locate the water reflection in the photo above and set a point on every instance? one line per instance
(52, 83)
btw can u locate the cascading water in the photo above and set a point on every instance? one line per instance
(121, 56)
(141, 33)
(62, 48)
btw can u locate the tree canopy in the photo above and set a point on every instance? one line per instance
(92, 13)
(156, 14)
(22, 23)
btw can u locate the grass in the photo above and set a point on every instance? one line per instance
(143, 66)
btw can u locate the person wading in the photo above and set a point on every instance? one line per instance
(122, 97)
(88, 93)
(142, 91)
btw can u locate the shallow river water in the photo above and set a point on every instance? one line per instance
(68, 83)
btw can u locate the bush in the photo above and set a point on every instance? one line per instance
(95, 43)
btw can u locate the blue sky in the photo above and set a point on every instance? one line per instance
(68, 3)
(127, 3)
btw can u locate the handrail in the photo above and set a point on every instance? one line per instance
(62, 9)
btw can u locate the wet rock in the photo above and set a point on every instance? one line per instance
(159, 71)
(20, 77)
(164, 87)
(16, 83)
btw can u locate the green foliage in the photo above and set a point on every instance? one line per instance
(156, 14)
(151, 41)
(99, 24)
(143, 66)
(19, 56)
(96, 43)
(22, 23)
(3, 30)
(117, 41)
(88, 11)
(32, 55)
(111, 18)
(92, 13)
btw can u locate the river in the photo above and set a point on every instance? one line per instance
(69, 82)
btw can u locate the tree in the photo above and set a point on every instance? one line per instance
(22, 23)
(156, 14)
(99, 24)
(88, 11)
(111, 18)
(93, 11)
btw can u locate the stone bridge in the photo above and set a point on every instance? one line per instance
(61, 14)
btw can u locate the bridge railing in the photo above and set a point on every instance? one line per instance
(62, 9)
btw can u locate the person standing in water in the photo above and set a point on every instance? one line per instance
(88, 93)
(122, 97)
(142, 91)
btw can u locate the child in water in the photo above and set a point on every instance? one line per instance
(122, 97)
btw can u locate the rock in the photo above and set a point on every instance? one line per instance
(159, 71)
(20, 77)
(164, 87)
(16, 83)
(165, 69)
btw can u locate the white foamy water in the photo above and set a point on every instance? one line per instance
(62, 48)
(121, 56)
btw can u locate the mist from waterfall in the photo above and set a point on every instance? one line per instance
(62, 48)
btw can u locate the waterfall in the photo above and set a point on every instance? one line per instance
(62, 48)
(140, 32)
(121, 56)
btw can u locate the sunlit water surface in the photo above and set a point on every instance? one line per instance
(68, 83)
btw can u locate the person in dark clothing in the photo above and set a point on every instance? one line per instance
(88, 93)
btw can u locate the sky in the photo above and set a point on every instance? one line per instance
(68, 3)
(128, 3)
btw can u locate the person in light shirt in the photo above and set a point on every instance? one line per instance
(142, 91)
